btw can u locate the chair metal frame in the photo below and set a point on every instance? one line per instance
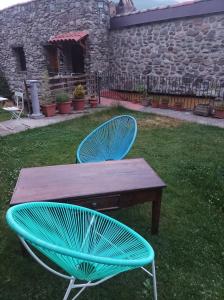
(72, 280)
(100, 128)
(83, 286)
(17, 110)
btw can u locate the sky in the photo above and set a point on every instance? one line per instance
(140, 4)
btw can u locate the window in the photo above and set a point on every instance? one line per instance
(20, 57)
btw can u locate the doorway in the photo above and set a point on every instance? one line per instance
(77, 58)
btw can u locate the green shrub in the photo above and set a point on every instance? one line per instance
(79, 92)
(4, 87)
(46, 97)
(220, 106)
(62, 97)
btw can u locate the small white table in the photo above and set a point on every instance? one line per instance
(2, 101)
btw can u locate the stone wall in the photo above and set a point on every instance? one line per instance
(184, 47)
(30, 25)
(190, 46)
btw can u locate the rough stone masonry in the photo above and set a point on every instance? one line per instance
(31, 25)
(178, 46)
(185, 47)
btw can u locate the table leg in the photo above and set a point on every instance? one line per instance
(156, 204)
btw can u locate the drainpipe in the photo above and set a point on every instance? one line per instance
(35, 100)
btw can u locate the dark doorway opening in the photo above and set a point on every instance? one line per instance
(77, 57)
(51, 53)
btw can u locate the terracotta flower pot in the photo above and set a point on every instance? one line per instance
(155, 104)
(145, 102)
(164, 105)
(204, 110)
(93, 103)
(78, 104)
(65, 107)
(49, 110)
(178, 106)
(219, 113)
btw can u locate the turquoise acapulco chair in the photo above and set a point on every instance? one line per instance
(110, 141)
(89, 246)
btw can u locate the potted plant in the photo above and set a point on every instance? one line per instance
(79, 100)
(219, 110)
(145, 101)
(164, 103)
(145, 98)
(48, 107)
(93, 101)
(178, 105)
(63, 103)
(202, 110)
(155, 102)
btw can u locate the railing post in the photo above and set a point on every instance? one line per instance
(98, 84)
(147, 85)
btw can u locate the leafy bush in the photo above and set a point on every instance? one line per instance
(4, 87)
(46, 97)
(220, 106)
(62, 97)
(79, 92)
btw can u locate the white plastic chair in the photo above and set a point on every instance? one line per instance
(16, 110)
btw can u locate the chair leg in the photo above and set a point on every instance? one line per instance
(153, 276)
(19, 115)
(70, 286)
(80, 292)
(154, 280)
(14, 116)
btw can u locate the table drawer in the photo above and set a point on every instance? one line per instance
(101, 203)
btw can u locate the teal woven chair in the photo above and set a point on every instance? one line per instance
(110, 141)
(87, 245)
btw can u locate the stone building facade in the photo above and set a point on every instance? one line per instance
(190, 47)
(186, 40)
(27, 28)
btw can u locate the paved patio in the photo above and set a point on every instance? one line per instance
(185, 116)
(15, 126)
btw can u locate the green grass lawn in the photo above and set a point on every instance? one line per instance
(4, 116)
(190, 246)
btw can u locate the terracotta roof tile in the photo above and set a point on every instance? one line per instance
(69, 36)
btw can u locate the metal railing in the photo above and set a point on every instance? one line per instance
(183, 86)
(65, 83)
(190, 91)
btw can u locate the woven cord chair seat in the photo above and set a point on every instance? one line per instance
(110, 141)
(86, 244)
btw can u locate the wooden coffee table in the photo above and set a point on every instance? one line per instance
(101, 186)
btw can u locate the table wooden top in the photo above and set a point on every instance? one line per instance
(63, 182)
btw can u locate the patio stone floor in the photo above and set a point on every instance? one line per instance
(185, 116)
(15, 126)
